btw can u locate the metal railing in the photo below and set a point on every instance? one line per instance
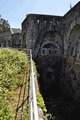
(32, 92)
(33, 109)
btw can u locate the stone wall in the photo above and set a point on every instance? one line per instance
(55, 44)
(41, 31)
(37, 29)
(71, 19)
(5, 39)
(10, 40)
(16, 40)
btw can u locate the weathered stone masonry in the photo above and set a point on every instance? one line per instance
(44, 29)
(7, 39)
(52, 38)
(40, 30)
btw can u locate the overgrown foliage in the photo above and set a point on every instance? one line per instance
(14, 67)
(40, 103)
(4, 25)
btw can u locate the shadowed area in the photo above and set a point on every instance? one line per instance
(59, 86)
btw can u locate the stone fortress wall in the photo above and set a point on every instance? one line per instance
(55, 44)
(51, 38)
(43, 31)
(46, 34)
(9, 37)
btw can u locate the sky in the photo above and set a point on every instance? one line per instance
(16, 10)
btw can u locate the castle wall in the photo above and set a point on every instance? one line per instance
(5, 39)
(71, 19)
(37, 28)
(10, 40)
(16, 40)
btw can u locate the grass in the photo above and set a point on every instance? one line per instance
(14, 72)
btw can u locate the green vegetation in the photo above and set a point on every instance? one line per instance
(14, 71)
(40, 103)
(4, 25)
(76, 28)
(5, 112)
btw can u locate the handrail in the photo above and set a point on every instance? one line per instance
(32, 92)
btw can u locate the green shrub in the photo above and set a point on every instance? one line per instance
(14, 66)
(40, 103)
(5, 112)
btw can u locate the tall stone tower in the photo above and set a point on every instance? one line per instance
(43, 34)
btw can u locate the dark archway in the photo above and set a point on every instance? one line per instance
(50, 67)
(71, 86)
(74, 42)
(48, 36)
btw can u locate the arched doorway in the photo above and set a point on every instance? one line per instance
(52, 44)
(73, 49)
(72, 73)
(50, 62)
